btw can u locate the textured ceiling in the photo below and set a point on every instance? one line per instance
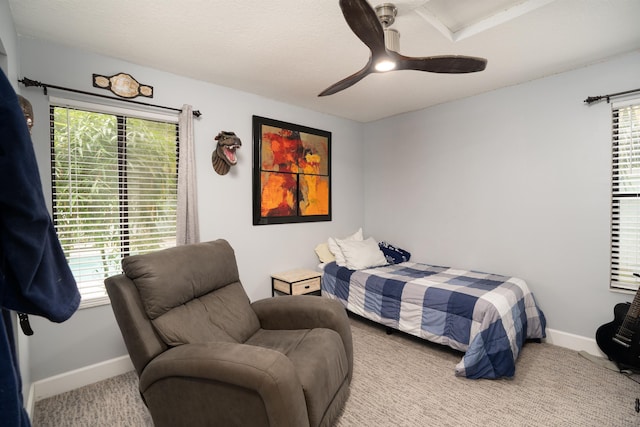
(290, 50)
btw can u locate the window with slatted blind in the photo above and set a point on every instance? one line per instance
(114, 185)
(625, 195)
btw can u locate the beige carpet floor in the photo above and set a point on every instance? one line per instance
(402, 381)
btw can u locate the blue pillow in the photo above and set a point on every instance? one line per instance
(393, 254)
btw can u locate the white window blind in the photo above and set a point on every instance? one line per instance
(625, 199)
(114, 185)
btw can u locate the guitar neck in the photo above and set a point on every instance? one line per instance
(634, 310)
(627, 328)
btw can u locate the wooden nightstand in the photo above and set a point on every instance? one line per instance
(296, 282)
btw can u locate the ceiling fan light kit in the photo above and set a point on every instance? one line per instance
(385, 65)
(372, 28)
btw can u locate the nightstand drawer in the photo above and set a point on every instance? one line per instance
(297, 288)
(296, 282)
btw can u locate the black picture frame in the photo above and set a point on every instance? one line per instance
(291, 173)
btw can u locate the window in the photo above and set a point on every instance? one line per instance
(114, 185)
(625, 196)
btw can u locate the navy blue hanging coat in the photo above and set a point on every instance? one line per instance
(34, 275)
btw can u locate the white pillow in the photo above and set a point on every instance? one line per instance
(335, 248)
(362, 254)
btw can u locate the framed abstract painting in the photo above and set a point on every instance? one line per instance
(291, 173)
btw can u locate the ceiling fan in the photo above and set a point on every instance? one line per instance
(371, 26)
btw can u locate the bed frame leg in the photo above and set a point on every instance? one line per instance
(389, 330)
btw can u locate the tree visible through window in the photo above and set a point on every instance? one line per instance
(114, 184)
(625, 199)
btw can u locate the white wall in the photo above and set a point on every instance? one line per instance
(225, 206)
(9, 58)
(515, 181)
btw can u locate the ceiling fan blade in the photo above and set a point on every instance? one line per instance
(347, 82)
(450, 64)
(364, 22)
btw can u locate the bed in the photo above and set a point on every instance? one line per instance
(487, 316)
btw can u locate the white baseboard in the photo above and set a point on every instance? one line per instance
(29, 403)
(72, 380)
(573, 342)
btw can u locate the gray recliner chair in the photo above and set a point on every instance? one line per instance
(206, 356)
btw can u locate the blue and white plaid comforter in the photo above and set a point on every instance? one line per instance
(487, 316)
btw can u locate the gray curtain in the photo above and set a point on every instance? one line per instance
(187, 212)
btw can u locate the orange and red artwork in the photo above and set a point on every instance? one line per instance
(291, 173)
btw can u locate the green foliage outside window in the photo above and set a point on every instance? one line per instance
(114, 181)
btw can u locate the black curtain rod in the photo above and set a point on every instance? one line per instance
(593, 99)
(29, 83)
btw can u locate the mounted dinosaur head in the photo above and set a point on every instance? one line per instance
(224, 156)
(27, 110)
